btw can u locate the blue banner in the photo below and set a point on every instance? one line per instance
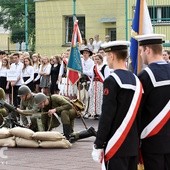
(74, 62)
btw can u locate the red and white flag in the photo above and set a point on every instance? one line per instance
(74, 63)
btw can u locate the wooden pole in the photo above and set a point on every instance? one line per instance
(12, 93)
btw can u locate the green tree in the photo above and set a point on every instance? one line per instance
(12, 17)
(18, 36)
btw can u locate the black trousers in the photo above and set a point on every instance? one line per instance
(122, 163)
(156, 161)
(16, 99)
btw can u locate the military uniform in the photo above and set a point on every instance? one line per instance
(155, 100)
(117, 135)
(65, 110)
(36, 119)
(39, 122)
(3, 111)
(116, 102)
(155, 109)
(28, 106)
(153, 104)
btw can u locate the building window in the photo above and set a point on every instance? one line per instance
(69, 27)
(165, 12)
(112, 33)
(160, 14)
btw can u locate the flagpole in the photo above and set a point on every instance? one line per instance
(26, 25)
(74, 10)
(126, 14)
(139, 67)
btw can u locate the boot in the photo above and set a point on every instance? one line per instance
(67, 131)
(82, 134)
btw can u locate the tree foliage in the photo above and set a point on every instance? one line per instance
(12, 17)
(18, 36)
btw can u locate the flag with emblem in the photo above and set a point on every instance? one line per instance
(74, 62)
(141, 25)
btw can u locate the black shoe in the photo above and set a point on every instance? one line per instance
(72, 139)
(96, 117)
(92, 131)
(67, 130)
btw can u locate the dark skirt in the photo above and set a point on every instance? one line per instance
(54, 88)
(3, 83)
(38, 81)
(30, 85)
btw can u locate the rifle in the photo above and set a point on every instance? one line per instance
(11, 121)
(8, 106)
(12, 108)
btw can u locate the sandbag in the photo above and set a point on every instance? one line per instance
(62, 144)
(48, 136)
(4, 133)
(22, 132)
(8, 142)
(25, 143)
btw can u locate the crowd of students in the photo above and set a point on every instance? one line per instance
(49, 74)
(110, 91)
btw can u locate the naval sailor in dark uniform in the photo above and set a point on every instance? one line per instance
(155, 109)
(116, 144)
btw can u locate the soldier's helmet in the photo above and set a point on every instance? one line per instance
(2, 94)
(23, 90)
(39, 97)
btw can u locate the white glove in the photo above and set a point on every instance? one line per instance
(97, 155)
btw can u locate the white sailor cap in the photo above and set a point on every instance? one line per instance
(150, 39)
(115, 45)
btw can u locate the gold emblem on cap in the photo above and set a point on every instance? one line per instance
(108, 49)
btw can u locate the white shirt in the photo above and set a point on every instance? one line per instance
(96, 45)
(0, 63)
(17, 68)
(36, 70)
(3, 72)
(28, 72)
(46, 69)
(88, 66)
(90, 46)
(106, 72)
(62, 67)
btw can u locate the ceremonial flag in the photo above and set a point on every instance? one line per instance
(141, 25)
(74, 63)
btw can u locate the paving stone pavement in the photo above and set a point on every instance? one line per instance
(78, 157)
